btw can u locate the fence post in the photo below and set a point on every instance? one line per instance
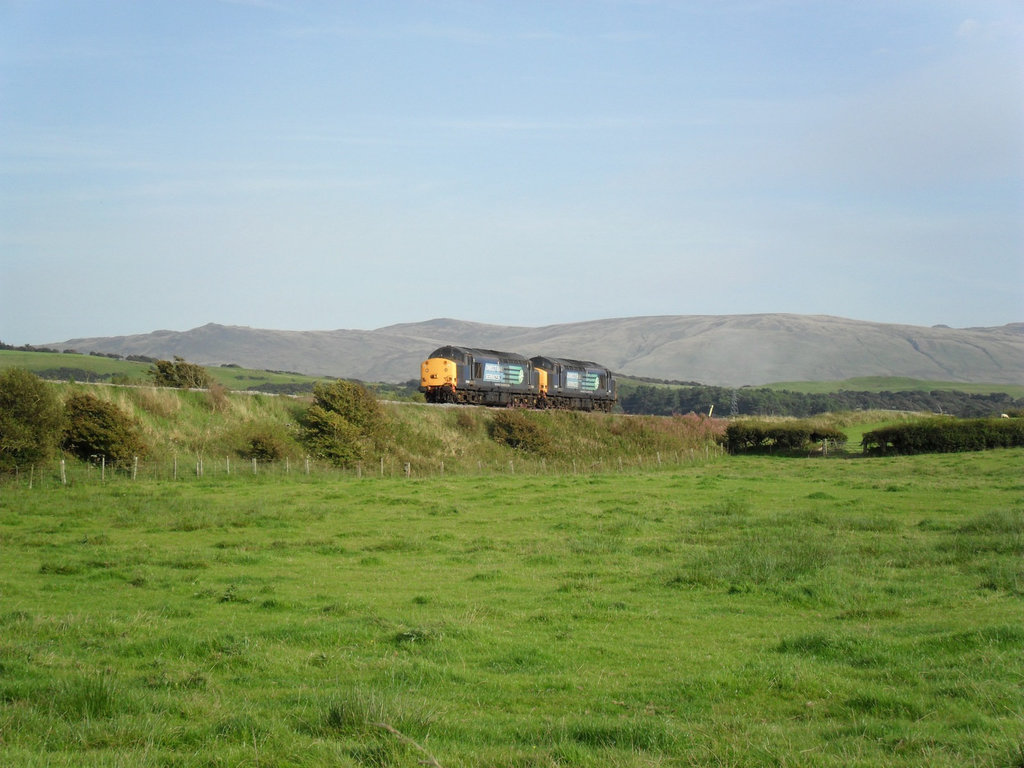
(103, 468)
(135, 468)
(307, 465)
(382, 466)
(254, 465)
(31, 475)
(227, 464)
(408, 469)
(63, 473)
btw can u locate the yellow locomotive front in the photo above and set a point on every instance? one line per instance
(438, 379)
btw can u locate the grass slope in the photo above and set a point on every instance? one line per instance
(895, 384)
(752, 611)
(43, 363)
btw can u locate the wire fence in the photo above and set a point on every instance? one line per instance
(73, 472)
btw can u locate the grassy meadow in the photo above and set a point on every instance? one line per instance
(64, 365)
(896, 384)
(744, 611)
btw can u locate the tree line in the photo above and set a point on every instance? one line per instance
(762, 401)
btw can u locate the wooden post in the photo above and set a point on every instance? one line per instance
(408, 469)
(63, 472)
(103, 468)
(307, 465)
(227, 464)
(175, 466)
(254, 465)
(135, 468)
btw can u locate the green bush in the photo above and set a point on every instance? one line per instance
(96, 428)
(945, 435)
(265, 443)
(344, 423)
(517, 430)
(180, 374)
(742, 436)
(31, 419)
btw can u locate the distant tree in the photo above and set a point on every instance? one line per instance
(180, 374)
(31, 419)
(96, 427)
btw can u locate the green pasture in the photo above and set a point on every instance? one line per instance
(896, 384)
(752, 611)
(46, 363)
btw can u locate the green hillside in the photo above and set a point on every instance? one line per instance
(76, 367)
(895, 384)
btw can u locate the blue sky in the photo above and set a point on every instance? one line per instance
(319, 165)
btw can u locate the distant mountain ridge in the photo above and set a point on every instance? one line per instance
(724, 350)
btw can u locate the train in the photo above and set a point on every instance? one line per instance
(488, 377)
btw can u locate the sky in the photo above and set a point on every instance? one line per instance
(319, 165)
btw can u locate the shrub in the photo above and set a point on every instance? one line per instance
(344, 423)
(98, 428)
(31, 419)
(748, 435)
(180, 374)
(264, 443)
(517, 430)
(945, 435)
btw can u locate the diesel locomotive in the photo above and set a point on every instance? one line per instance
(489, 377)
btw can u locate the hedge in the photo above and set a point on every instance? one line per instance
(945, 435)
(741, 436)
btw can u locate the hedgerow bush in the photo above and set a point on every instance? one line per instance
(745, 436)
(945, 435)
(97, 428)
(31, 419)
(517, 430)
(265, 443)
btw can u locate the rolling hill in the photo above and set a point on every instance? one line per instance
(726, 350)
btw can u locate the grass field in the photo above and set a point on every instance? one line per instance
(752, 611)
(896, 384)
(46, 363)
